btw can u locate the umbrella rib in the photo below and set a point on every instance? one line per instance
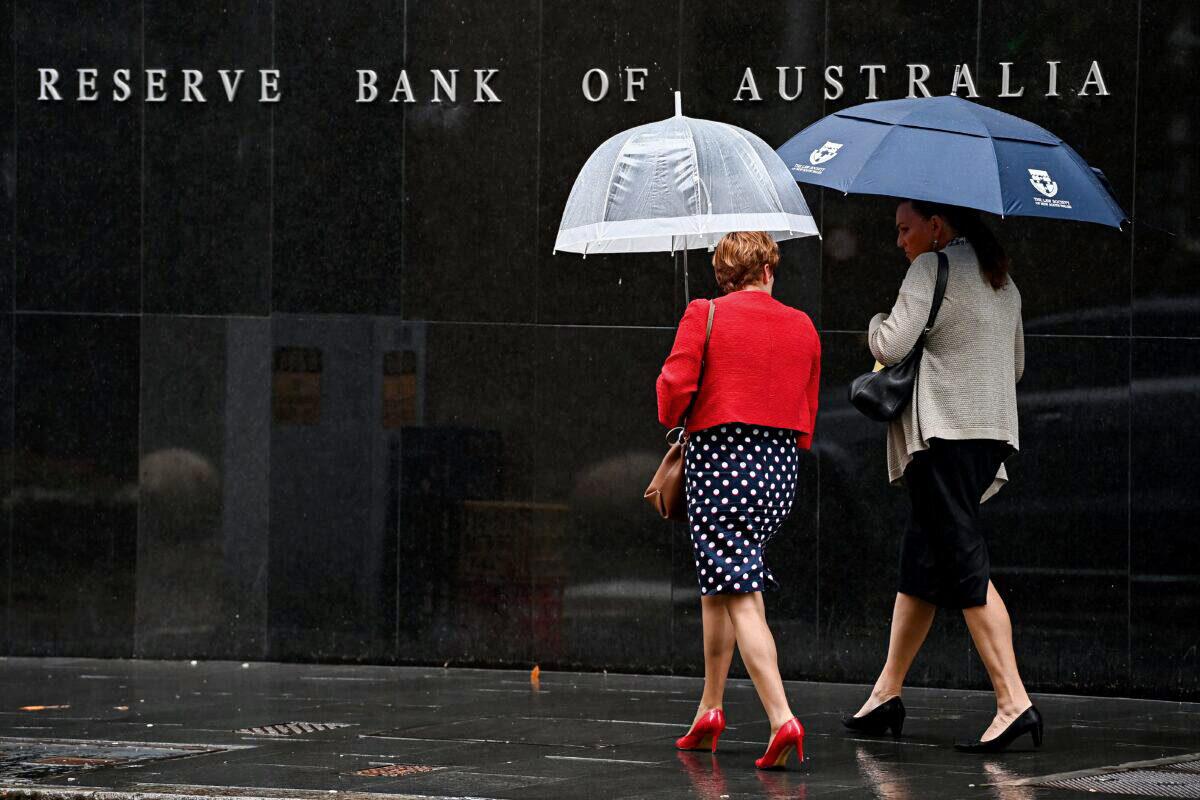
(1054, 139)
(999, 182)
(911, 125)
(611, 175)
(771, 183)
(695, 162)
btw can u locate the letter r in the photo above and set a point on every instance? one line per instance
(47, 78)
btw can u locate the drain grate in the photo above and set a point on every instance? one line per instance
(26, 760)
(293, 728)
(1140, 782)
(396, 770)
(1178, 777)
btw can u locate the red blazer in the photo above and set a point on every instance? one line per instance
(763, 366)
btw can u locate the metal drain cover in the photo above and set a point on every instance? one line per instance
(30, 759)
(1141, 782)
(293, 728)
(1170, 777)
(396, 770)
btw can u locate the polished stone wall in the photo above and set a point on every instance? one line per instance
(304, 380)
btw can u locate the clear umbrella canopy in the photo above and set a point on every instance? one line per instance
(678, 184)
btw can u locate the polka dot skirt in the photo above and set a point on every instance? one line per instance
(740, 484)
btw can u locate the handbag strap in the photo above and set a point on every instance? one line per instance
(712, 307)
(939, 289)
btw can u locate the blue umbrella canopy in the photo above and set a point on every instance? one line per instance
(949, 150)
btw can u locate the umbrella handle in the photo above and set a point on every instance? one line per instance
(675, 255)
(686, 297)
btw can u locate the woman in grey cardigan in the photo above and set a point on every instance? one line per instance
(948, 448)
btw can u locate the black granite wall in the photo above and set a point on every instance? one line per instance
(302, 380)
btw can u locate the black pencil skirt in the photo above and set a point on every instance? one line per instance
(944, 557)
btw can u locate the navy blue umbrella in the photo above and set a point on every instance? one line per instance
(950, 150)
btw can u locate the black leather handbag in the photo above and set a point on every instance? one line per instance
(884, 395)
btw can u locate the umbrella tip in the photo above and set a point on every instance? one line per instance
(679, 104)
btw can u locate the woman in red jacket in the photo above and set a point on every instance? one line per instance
(754, 412)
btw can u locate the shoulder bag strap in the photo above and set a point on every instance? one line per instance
(939, 290)
(712, 307)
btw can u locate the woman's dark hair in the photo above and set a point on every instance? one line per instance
(993, 261)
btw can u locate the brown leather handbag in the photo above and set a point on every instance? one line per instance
(665, 493)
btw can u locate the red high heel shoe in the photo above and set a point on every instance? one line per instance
(705, 733)
(790, 737)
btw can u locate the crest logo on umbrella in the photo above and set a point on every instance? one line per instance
(824, 153)
(1042, 181)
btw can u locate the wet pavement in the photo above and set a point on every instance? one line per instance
(81, 727)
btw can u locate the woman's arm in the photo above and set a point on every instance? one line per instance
(677, 381)
(813, 392)
(891, 336)
(1019, 348)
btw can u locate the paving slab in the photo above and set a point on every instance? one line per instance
(105, 729)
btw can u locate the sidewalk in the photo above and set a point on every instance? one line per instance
(172, 729)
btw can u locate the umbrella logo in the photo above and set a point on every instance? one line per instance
(824, 153)
(1042, 181)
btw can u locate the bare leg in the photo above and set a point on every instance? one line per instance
(991, 630)
(758, 653)
(911, 619)
(719, 641)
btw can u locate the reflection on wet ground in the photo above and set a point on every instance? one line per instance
(498, 734)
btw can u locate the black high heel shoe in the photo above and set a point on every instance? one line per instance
(1029, 721)
(878, 720)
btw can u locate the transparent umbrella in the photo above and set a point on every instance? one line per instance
(678, 184)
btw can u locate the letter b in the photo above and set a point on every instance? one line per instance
(366, 84)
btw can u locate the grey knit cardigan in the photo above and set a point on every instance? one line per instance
(966, 386)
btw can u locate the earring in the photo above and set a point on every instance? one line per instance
(935, 244)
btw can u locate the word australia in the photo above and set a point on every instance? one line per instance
(789, 82)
